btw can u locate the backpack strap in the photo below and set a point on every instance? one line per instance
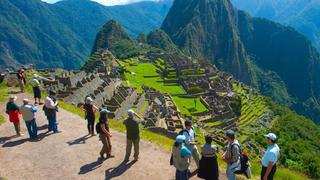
(234, 144)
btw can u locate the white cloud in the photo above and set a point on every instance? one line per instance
(107, 2)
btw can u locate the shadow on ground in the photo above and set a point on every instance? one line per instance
(81, 140)
(21, 141)
(90, 167)
(119, 170)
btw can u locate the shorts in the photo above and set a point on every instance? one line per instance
(37, 92)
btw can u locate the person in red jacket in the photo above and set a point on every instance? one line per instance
(14, 112)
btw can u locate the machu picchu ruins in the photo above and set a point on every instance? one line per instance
(103, 78)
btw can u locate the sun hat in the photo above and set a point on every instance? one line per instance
(12, 97)
(89, 100)
(35, 76)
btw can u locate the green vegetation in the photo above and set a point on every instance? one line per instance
(299, 140)
(4, 93)
(147, 74)
(159, 39)
(291, 75)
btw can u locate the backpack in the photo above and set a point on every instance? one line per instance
(98, 128)
(185, 130)
(244, 161)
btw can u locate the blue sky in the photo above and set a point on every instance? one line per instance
(107, 2)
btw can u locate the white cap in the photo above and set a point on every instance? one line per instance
(89, 100)
(35, 76)
(131, 112)
(271, 136)
(25, 100)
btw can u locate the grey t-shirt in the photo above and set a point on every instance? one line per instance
(209, 150)
(27, 112)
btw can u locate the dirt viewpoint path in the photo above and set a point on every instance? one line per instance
(72, 155)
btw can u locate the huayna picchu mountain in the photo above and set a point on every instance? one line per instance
(278, 60)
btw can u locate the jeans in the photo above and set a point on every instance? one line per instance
(129, 147)
(53, 123)
(182, 175)
(230, 169)
(32, 128)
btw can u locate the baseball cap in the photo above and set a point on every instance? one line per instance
(271, 136)
(230, 133)
(25, 100)
(104, 110)
(131, 112)
(180, 138)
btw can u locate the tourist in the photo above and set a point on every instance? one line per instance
(133, 134)
(51, 108)
(208, 168)
(36, 89)
(189, 133)
(232, 155)
(90, 109)
(270, 158)
(104, 134)
(13, 111)
(28, 114)
(181, 158)
(22, 80)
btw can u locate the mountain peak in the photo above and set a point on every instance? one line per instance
(110, 33)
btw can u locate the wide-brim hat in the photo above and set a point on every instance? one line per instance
(12, 97)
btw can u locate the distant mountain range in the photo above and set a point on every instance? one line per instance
(303, 15)
(278, 60)
(62, 34)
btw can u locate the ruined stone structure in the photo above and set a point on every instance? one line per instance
(162, 113)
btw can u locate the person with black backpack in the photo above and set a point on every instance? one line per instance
(103, 130)
(208, 166)
(232, 155)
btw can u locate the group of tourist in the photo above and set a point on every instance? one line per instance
(184, 148)
(207, 167)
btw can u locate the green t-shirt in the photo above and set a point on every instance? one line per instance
(132, 126)
(34, 82)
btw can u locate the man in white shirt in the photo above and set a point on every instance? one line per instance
(270, 158)
(51, 111)
(189, 133)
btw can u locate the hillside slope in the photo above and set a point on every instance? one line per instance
(303, 15)
(57, 35)
(251, 49)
